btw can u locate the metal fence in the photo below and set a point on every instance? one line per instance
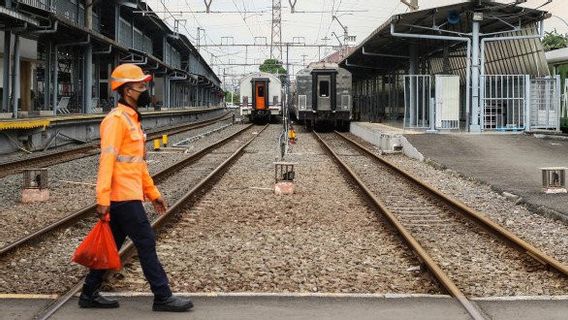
(65, 8)
(40, 4)
(141, 41)
(564, 111)
(172, 56)
(504, 101)
(417, 96)
(545, 103)
(124, 33)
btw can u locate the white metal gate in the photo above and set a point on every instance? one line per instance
(417, 95)
(545, 103)
(447, 101)
(504, 101)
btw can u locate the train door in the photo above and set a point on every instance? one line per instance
(260, 95)
(324, 92)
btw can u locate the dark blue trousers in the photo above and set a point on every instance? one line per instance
(128, 218)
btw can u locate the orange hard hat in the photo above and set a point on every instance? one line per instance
(127, 72)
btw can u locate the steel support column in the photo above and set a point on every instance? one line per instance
(198, 96)
(97, 80)
(166, 100)
(47, 75)
(116, 63)
(117, 23)
(412, 71)
(475, 79)
(6, 71)
(16, 76)
(55, 83)
(87, 78)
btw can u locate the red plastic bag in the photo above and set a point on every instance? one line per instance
(98, 249)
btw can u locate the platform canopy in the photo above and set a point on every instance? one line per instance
(382, 52)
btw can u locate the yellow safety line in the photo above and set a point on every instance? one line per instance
(37, 123)
(24, 124)
(27, 296)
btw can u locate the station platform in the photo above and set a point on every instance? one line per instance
(296, 306)
(509, 162)
(7, 123)
(39, 132)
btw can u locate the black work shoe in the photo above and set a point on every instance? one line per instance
(96, 301)
(172, 304)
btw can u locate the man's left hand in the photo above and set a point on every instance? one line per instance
(160, 205)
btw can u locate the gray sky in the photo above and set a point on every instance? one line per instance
(312, 27)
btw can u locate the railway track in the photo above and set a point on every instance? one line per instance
(46, 159)
(90, 209)
(128, 249)
(461, 247)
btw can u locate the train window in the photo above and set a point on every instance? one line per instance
(324, 88)
(260, 92)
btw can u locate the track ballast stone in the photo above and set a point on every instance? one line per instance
(240, 237)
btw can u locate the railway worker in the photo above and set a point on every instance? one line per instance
(123, 182)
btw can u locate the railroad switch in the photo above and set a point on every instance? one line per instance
(35, 186)
(554, 180)
(284, 175)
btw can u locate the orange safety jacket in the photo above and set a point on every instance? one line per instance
(123, 172)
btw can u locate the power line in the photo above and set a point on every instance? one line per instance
(246, 23)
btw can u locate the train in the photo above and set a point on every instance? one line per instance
(261, 97)
(323, 94)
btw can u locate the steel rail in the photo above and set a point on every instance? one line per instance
(414, 245)
(10, 167)
(499, 231)
(126, 251)
(190, 126)
(91, 208)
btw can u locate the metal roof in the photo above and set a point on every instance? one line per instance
(519, 56)
(558, 56)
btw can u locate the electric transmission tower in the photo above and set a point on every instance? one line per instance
(276, 38)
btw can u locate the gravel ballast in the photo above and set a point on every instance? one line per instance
(476, 261)
(241, 237)
(46, 267)
(545, 233)
(72, 185)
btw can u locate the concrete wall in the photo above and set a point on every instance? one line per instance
(386, 142)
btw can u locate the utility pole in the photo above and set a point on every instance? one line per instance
(224, 77)
(199, 37)
(346, 37)
(208, 5)
(285, 107)
(304, 59)
(276, 37)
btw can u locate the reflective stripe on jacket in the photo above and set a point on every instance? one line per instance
(123, 172)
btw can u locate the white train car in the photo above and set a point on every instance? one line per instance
(261, 96)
